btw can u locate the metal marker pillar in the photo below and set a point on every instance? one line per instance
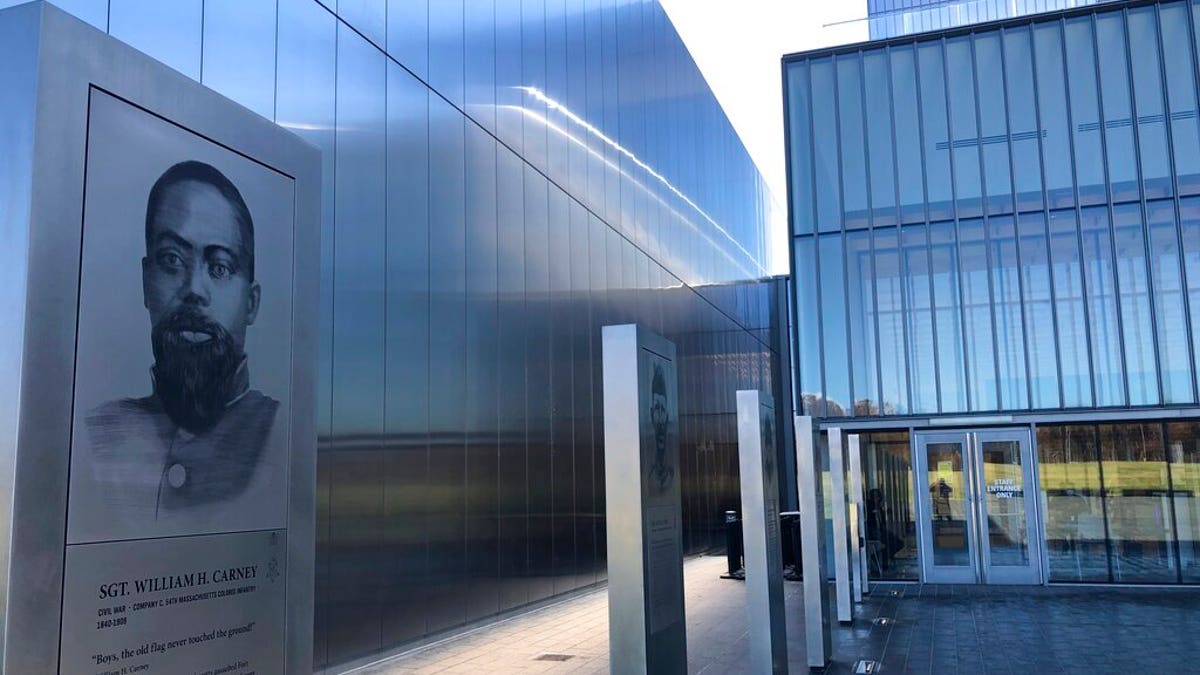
(841, 525)
(121, 502)
(809, 490)
(757, 462)
(861, 583)
(641, 469)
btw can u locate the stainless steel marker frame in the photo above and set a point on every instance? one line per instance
(841, 525)
(758, 468)
(856, 591)
(809, 490)
(862, 585)
(53, 65)
(646, 625)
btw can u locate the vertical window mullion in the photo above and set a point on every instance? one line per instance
(1190, 328)
(962, 304)
(837, 125)
(1012, 181)
(1137, 153)
(899, 227)
(862, 95)
(1175, 548)
(937, 389)
(1037, 111)
(816, 273)
(987, 231)
(1108, 191)
(1108, 542)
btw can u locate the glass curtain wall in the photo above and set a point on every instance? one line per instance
(1119, 501)
(888, 18)
(500, 180)
(1014, 228)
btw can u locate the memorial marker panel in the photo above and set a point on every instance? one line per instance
(643, 511)
(162, 342)
(757, 463)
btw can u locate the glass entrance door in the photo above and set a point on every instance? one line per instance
(977, 507)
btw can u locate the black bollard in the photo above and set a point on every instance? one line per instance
(733, 546)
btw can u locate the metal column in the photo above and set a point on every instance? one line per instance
(859, 526)
(812, 544)
(841, 525)
(641, 469)
(757, 462)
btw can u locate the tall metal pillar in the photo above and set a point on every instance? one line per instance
(641, 469)
(812, 544)
(841, 525)
(861, 583)
(757, 464)
(856, 589)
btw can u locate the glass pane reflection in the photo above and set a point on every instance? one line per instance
(1072, 509)
(1004, 501)
(891, 532)
(1119, 501)
(1138, 502)
(1183, 453)
(947, 498)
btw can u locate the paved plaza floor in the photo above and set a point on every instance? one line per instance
(931, 629)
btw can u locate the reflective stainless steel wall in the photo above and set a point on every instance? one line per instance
(1002, 218)
(501, 178)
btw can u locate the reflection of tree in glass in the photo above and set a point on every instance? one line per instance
(865, 407)
(819, 406)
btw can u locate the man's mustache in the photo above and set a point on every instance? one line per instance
(191, 327)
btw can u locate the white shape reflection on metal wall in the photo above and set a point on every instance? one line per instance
(757, 271)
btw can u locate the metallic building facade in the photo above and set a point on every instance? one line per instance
(890, 18)
(1000, 225)
(501, 178)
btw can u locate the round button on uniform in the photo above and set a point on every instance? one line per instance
(176, 475)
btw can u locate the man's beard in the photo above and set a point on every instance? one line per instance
(194, 380)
